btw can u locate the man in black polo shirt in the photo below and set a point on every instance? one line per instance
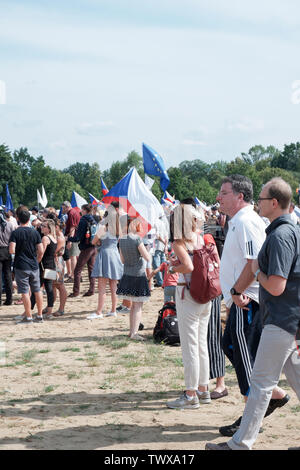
(25, 243)
(278, 271)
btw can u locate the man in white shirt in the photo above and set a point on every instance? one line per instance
(293, 213)
(245, 237)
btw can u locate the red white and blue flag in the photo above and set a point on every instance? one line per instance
(168, 197)
(104, 188)
(77, 200)
(94, 200)
(136, 200)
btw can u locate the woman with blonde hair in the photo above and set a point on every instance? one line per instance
(193, 317)
(108, 267)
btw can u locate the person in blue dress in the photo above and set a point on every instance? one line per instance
(108, 267)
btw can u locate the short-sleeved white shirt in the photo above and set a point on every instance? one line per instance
(245, 237)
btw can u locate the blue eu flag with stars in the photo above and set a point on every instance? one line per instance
(154, 165)
(9, 204)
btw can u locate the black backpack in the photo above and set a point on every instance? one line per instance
(91, 230)
(166, 327)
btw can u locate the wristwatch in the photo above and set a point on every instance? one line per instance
(234, 292)
(256, 274)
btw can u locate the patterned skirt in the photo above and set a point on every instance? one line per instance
(134, 288)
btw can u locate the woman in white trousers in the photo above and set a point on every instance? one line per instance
(193, 318)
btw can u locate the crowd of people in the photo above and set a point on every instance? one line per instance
(258, 250)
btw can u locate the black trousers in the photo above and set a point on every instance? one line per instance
(48, 284)
(240, 341)
(5, 268)
(214, 341)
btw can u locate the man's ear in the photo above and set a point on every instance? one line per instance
(275, 203)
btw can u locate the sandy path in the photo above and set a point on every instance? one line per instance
(70, 383)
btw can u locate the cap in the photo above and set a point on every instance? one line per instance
(35, 208)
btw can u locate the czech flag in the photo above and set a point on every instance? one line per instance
(104, 188)
(94, 200)
(165, 203)
(201, 204)
(168, 197)
(136, 200)
(77, 200)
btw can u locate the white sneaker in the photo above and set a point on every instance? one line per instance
(94, 316)
(204, 397)
(183, 403)
(122, 309)
(19, 317)
(111, 314)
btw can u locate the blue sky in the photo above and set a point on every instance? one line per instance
(90, 80)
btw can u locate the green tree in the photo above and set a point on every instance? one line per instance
(288, 159)
(119, 169)
(11, 174)
(87, 176)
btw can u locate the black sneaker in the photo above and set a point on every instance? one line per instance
(276, 403)
(231, 429)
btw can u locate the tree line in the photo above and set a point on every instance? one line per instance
(25, 174)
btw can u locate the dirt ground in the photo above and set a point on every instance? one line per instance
(71, 383)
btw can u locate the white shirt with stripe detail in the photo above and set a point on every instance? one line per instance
(245, 237)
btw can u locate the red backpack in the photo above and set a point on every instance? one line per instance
(205, 281)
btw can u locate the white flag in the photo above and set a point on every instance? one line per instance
(39, 198)
(44, 197)
(149, 181)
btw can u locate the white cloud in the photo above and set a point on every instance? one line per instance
(96, 128)
(59, 145)
(247, 125)
(194, 142)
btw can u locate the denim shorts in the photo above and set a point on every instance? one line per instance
(26, 279)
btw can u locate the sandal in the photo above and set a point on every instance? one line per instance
(59, 313)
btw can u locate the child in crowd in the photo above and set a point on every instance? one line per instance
(170, 279)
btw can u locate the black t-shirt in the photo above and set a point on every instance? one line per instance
(26, 240)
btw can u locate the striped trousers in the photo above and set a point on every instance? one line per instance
(240, 341)
(214, 341)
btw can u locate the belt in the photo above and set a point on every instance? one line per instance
(181, 284)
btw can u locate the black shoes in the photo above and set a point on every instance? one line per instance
(7, 302)
(231, 429)
(276, 403)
